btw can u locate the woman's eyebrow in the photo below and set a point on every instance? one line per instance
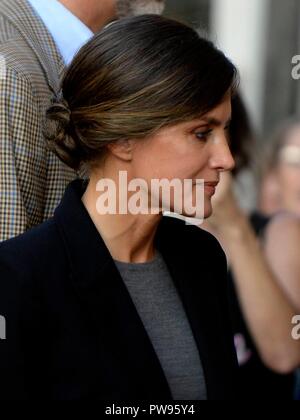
(214, 121)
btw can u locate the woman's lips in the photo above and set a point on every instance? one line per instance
(210, 188)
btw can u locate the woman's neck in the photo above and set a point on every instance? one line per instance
(128, 237)
(93, 13)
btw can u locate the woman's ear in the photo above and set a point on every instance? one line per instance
(121, 149)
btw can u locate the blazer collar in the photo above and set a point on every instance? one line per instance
(106, 299)
(21, 15)
(105, 296)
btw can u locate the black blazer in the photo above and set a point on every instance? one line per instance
(72, 330)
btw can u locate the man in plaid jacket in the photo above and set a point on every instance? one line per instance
(37, 40)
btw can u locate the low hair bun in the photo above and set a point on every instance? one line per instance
(57, 131)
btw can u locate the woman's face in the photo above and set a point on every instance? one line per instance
(288, 172)
(195, 150)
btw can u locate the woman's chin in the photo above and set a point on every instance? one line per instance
(200, 217)
(208, 211)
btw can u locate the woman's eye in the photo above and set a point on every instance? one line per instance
(202, 135)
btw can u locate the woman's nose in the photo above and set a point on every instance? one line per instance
(221, 156)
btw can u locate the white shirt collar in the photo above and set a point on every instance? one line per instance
(68, 32)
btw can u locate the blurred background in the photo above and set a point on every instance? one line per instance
(261, 37)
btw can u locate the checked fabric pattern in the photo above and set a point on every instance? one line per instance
(32, 179)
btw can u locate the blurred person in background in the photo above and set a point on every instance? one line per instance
(280, 197)
(279, 178)
(264, 274)
(38, 39)
(279, 171)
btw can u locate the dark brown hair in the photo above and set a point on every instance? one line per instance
(137, 75)
(241, 134)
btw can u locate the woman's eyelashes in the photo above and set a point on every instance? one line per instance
(204, 134)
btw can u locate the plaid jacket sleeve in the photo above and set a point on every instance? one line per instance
(22, 153)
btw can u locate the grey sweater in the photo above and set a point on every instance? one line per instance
(162, 313)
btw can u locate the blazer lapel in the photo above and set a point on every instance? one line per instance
(193, 273)
(107, 302)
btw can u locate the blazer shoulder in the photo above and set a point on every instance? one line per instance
(19, 67)
(30, 248)
(193, 236)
